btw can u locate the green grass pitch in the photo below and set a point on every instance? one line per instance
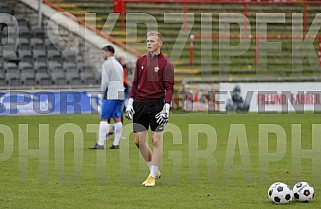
(204, 165)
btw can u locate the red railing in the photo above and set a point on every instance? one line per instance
(93, 28)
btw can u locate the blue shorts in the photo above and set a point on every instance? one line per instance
(111, 109)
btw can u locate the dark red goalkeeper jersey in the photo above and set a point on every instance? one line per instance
(153, 79)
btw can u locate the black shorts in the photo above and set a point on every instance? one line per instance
(145, 115)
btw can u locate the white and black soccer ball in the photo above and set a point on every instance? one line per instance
(303, 192)
(280, 193)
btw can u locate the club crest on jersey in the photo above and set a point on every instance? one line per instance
(156, 69)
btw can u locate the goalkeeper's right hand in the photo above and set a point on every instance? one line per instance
(130, 109)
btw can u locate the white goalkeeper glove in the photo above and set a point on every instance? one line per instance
(162, 116)
(130, 109)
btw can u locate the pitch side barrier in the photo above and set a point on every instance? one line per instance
(18, 102)
(260, 95)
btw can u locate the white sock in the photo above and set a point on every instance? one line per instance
(149, 164)
(103, 130)
(118, 128)
(153, 171)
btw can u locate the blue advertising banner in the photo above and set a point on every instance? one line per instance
(49, 102)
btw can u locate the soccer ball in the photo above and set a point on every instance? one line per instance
(280, 193)
(303, 192)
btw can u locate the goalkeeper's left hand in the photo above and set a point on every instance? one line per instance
(162, 116)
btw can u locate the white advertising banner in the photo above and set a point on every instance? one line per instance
(270, 97)
(200, 97)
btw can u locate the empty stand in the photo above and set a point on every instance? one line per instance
(25, 67)
(2, 79)
(38, 32)
(69, 55)
(36, 60)
(10, 55)
(41, 67)
(54, 66)
(51, 44)
(22, 22)
(28, 78)
(43, 79)
(24, 44)
(70, 67)
(73, 78)
(88, 78)
(13, 77)
(5, 8)
(25, 56)
(37, 44)
(54, 55)
(58, 78)
(39, 56)
(83, 67)
(24, 31)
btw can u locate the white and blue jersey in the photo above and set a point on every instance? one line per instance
(112, 87)
(112, 79)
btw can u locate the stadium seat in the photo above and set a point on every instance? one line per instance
(41, 67)
(43, 79)
(51, 44)
(9, 66)
(88, 78)
(54, 55)
(85, 67)
(4, 41)
(70, 67)
(5, 8)
(25, 56)
(38, 32)
(25, 67)
(2, 79)
(27, 78)
(73, 78)
(58, 78)
(69, 55)
(9, 43)
(1, 66)
(39, 56)
(37, 44)
(6, 32)
(21, 19)
(97, 76)
(13, 78)
(10, 55)
(24, 32)
(54, 66)
(24, 44)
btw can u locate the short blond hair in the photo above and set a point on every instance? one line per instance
(155, 33)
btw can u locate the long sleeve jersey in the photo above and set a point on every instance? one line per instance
(112, 81)
(153, 79)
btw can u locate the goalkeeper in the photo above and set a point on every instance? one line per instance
(149, 102)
